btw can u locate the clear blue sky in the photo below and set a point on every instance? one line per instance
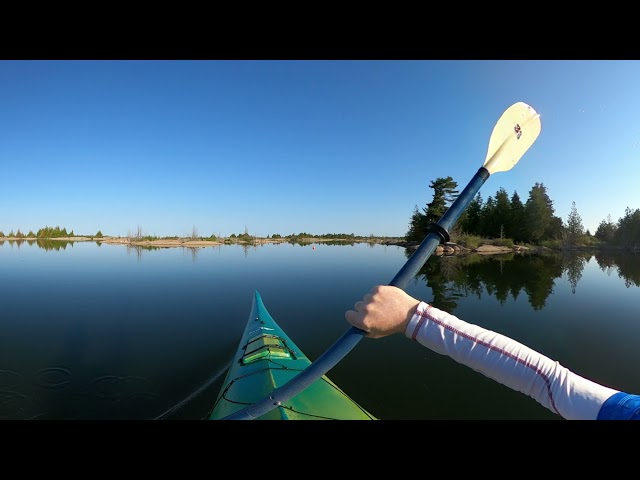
(295, 146)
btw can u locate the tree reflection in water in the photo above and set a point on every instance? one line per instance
(502, 275)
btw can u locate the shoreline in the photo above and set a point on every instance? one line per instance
(446, 249)
(185, 242)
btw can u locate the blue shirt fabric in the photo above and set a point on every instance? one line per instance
(620, 406)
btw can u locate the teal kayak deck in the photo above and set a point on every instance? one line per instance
(267, 359)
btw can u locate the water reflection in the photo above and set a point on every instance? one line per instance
(510, 275)
(246, 247)
(574, 264)
(112, 341)
(45, 244)
(455, 276)
(48, 245)
(194, 252)
(303, 243)
(628, 266)
(138, 249)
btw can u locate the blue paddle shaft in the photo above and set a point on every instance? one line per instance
(431, 241)
(353, 335)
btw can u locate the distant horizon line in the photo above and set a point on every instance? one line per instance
(169, 237)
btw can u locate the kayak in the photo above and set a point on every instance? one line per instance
(266, 359)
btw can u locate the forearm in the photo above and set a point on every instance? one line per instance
(509, 363)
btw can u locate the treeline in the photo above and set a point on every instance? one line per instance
(138, 235)
(304, 235)
(625, 232)
(46, 232)
(533, 221)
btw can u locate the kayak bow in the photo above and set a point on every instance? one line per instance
(266, 359)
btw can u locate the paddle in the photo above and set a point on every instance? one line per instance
(513, 134)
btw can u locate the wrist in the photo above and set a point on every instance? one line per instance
(415, 318)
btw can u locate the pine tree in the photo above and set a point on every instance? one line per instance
(539, 219)
(417, 226)
(517, 218)
(502, 215)
(486, 218)
(606, 231)
(628, 232)
(573, 229)
(444, 194)
(470, 223)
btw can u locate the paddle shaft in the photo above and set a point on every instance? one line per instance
(353, 335)
(431, 241)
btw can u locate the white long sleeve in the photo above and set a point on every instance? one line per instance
(508, 362)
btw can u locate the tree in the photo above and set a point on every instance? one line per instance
(540, 222)
(99, 234)
(139, 235)
(573, 229)
(471, 221)
(555, 229)
(606, 231)
(517, 218)
(628, 232)
(486, 218)
(444, 194)
(501, 215)
(417, 226)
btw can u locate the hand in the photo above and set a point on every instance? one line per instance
(383, 311)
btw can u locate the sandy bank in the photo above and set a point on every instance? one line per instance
(171, 242)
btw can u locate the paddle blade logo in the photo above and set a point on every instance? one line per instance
(518, 131)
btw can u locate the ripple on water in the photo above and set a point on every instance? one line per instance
(9, 379)
(53, 378)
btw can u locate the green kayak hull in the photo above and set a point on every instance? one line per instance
(267, 359)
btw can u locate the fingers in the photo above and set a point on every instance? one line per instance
(362, 315)
(355, 316)
(383, 311)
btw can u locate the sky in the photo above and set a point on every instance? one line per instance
(291, 146)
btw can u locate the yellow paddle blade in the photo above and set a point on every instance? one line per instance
(515, 132)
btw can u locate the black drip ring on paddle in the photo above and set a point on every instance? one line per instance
(442, 233)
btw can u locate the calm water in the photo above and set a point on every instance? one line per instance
(110, 332)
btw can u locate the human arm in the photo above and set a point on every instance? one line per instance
(387, 310)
